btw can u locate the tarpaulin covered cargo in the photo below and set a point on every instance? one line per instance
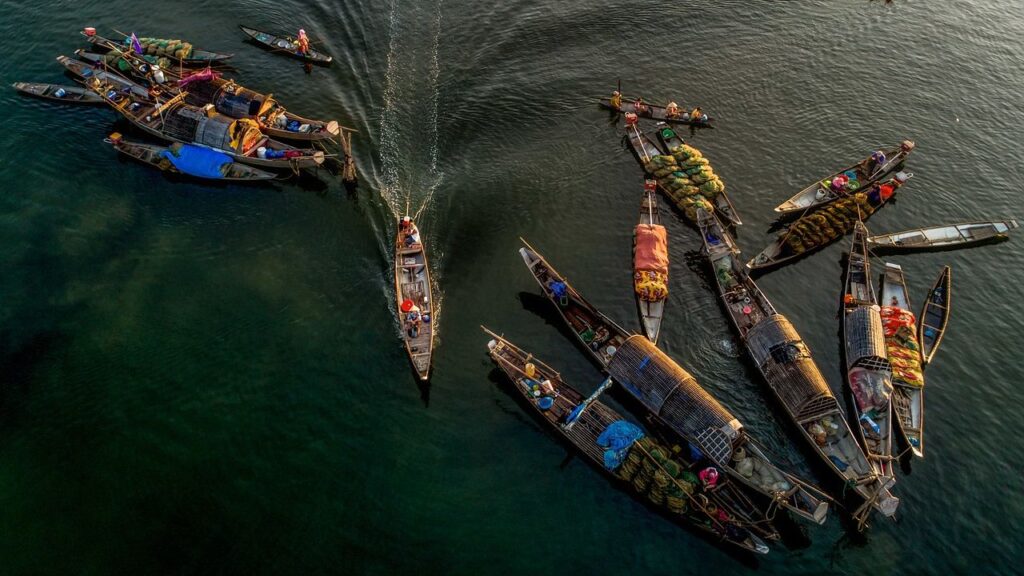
(651, 249)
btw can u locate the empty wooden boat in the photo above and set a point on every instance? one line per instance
(953, 236)
(905, 358)
(412, 288)
(655, 112)
(190, 160)
(814, 231)
(674, 399)
(625, 454)
(650, 263)
(856, 178)
(58, 93)
(935, 316)
(671, 144)
(285, 45)
(786, 364)
(868, 373)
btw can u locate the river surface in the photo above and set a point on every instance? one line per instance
(202, 379)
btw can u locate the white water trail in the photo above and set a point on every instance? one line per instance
(391, 190)
(435, 75)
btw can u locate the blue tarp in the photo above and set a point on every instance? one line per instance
(198, 161)
(617, 438)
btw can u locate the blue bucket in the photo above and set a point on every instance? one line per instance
(546, 403)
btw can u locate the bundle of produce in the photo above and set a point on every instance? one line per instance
(650, 286)
(822, 227)
(661, 166)
(900, 328)
(698, 169)
(652, 473)
(175, 49)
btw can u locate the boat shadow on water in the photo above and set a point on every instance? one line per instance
(538, 425)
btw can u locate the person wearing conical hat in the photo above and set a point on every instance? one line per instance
(303, 42)
(672, 110)
(616, 100)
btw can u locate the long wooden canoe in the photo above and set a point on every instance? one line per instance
(652, 312)
(198, 58)
(904, 357)
(786, 364)
(934, 318)
(58, 93)
(412, 283)
(844, 215)
(654, 112)
(156, 156)
(285, 45)
(867, 370)
(670, 140)
(864, 173)
(229, 98)
(87, 72)
(688, 503)
(953, 236)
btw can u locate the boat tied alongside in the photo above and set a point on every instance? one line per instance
(904, 352)
(650, 263)
(952, 236)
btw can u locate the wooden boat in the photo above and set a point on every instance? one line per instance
(157, 156)
(228, 97)
(654, 112)
(674, 399)
(786, 364)
(868, 373)
(670, 140)
(651, 234)
(864, 173)
(58, 93)
(643, 147)
(841, 217)
(285, 45)
(953, 236)
(935, 316)
(594, 331)
(682, 500)
(412, 284)
(87, 73)
(176, 121)
(904, 357)
(198, 58)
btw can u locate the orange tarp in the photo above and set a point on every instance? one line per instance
(651, 249)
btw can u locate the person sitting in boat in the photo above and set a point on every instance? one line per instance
(672, 110)
(639, 106)
(302, 44)
(616, 100)
(410, 235)
(696, 114)
(412, 321)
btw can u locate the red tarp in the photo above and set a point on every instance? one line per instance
(651, 249)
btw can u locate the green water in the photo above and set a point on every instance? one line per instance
(206, 379)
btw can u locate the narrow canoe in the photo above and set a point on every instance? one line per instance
(88, 72)
(674, 399)
(284, 45)
(233, 100)
(865, 173)
(953, 236)
(654, 112)
(412, 282)
(597, 333)
(58, 93)
(670, 140)
(688, 503)
(806, 235)
(904, 357)
(867, 370)
(198, 58)
(934, 317)
(156, 156)
(177, 121)
(651, 311)
(786, 364)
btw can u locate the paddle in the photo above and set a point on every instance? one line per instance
(573, 416)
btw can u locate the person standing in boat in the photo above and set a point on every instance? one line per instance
(672, 110)
(616, 100)
(303, 43)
